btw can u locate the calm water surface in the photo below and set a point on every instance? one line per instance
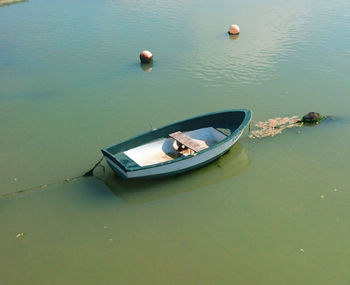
(271, 211)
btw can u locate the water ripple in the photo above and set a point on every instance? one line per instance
(251, 58)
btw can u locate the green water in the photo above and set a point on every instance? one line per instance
(271, 211)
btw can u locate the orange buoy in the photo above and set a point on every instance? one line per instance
(234, 30)
(146, 56)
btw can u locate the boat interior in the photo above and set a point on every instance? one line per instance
(166, 149)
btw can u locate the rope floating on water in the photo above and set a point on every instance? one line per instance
(38, 187)
(91, 171)
(43, 186)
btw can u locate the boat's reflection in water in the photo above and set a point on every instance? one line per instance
(229, 165)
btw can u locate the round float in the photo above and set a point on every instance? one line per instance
(146, 56)
(234, 30)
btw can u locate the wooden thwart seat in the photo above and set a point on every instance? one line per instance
(187, 141)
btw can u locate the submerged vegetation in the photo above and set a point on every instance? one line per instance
(275, 126)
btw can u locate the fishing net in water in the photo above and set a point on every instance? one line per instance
(275, 126)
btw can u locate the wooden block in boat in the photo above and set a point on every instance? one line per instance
(187, 141)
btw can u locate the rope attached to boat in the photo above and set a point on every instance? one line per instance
(43, 186)
(91, 171)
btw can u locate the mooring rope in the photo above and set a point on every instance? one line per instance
(91, 171)
(44, 186)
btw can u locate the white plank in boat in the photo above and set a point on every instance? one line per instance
(187, 141)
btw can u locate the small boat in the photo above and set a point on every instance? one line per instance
(139, 191)
(178, 147)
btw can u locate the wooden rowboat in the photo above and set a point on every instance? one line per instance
(178, 147)
(139, 191)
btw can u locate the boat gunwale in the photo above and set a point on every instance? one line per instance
(244, 123)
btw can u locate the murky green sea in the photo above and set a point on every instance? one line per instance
(271, 211)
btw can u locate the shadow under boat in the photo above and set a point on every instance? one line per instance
(234, 162)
